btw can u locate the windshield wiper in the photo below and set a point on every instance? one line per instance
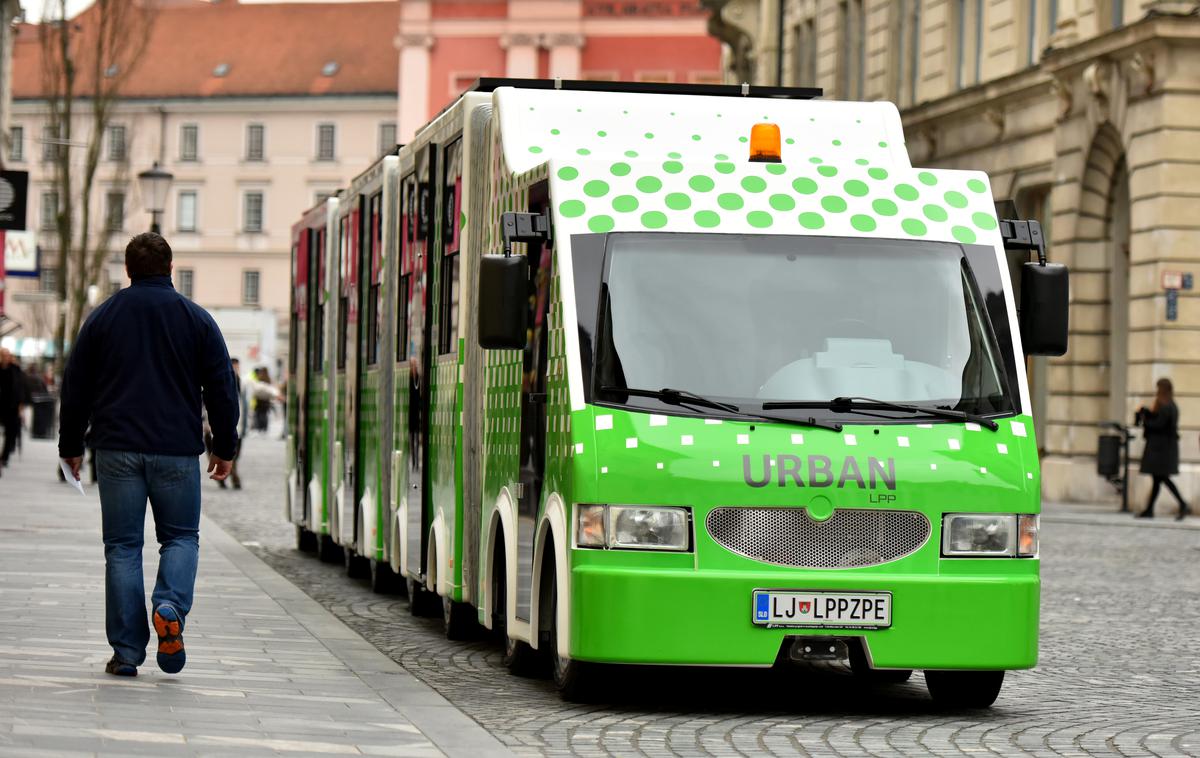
(683, 397)
(860, 404)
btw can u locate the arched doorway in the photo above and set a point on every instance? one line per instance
(1101, 278)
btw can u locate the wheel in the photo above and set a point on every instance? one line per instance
(459, 620)
(519, 658)
(357, 566)
(328, 550)
(964, 689)
(863, 671)
(421, 602)
(383, 579)
(576, 681)
(522, 660)
(306, 541)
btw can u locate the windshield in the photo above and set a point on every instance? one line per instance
(748, 319)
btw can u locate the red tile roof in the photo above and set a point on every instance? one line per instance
(270, 50)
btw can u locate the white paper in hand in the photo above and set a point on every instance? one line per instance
(71, 480)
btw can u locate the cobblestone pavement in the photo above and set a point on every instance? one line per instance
(1119, 672)
(270, 672)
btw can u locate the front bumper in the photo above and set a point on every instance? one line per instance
(622, 614)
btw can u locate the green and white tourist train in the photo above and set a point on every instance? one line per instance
(655, 374)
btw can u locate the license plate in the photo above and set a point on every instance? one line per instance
(844, 610)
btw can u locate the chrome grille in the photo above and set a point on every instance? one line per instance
(788, 537)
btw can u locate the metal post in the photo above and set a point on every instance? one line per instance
(154, 222)
(1125, 485)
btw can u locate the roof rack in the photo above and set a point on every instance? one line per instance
(489, 83)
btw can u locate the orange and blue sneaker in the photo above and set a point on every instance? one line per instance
(118, 667)
(169, 628)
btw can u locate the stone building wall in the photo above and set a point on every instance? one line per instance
(1090, 120)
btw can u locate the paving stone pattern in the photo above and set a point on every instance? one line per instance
(270, 672)
(1119, 671)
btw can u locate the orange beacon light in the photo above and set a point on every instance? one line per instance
(765, 144)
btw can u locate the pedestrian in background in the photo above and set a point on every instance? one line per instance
(13, 397)
(142, 365)
(234, 478)
(265, 395)
(1160, 459)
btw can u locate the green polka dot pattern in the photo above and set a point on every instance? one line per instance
(625, 203)
(670, 170)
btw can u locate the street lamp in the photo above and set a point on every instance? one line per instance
(154, 184)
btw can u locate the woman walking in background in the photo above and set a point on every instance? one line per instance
(1160, 459)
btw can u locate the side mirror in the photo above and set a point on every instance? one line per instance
(503, 296)
(1045, 294)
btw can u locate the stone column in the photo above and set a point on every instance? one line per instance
(414, 84)
(522, 55)
(565, 55)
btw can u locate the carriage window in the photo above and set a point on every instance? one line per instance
(451, 233)
(373, 260)
(343, 300)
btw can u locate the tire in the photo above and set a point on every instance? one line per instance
(383, 579)
(421, 602)
(357, 567)
(306, 541)
(459, 620)
(576, 681)
(328, 550)
(964, 689)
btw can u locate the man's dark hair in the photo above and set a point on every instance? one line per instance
(148, 254)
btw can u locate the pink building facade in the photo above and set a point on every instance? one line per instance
(446, 44)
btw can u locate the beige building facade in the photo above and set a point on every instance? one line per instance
(1087, 114)
(248, 156)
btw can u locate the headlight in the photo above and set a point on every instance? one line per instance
(980, 535)
(633, 527)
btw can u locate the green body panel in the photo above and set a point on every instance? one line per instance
(370, 465)
(655, 615)
(318, 445)
(400, 441)
(947, 613)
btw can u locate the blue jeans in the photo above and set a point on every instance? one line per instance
(172, 483)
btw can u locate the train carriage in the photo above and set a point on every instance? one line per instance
(692, 375)
(310, 402)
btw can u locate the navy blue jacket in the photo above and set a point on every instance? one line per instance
(140, 366)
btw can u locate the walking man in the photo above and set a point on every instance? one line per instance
(140, 368)
(12, 398)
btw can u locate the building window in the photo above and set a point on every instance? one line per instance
(16, 144)
(50, 146)
(906, 50)
(325, 142)
(968, 42)
(48, 280)
(185, 279)
(1041, 19)
(49, 211)
(254, 142)
(804, 54)
(249, 288)
(253, 212)
(113, 287)
(186, 221)
(114, 210)
(852, 52)
(189, 142)
(116, 142)
(387, 137)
